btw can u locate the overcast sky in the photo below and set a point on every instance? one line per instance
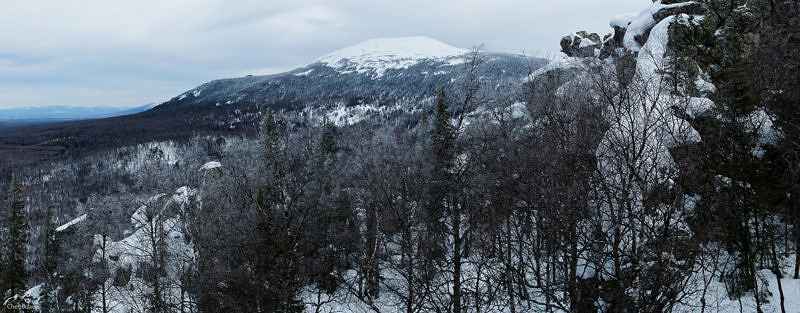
(130, 53)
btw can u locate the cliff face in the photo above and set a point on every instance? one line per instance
(701, 102)
(734, 62)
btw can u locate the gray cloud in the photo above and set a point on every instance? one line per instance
(128, 53)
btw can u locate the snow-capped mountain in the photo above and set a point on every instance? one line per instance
(376, 73)
(379, 55)
(379, 77)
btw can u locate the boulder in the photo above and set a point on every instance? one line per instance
(581, 44)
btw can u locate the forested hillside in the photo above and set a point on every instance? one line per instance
(654, 169)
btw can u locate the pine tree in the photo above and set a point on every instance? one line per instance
(273, 165)
(445, 216)
(733, 171)
(15, 238)
(324, 247)
(278, 266)
(442, 140)
(277, 263)
(49, 296)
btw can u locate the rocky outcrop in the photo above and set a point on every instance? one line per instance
(690, 8)
(636, 27)
(581, 44)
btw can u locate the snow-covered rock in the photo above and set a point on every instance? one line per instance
(158, 220)
(71, 223)
(581, 44)
(644, 21)
(211, 165)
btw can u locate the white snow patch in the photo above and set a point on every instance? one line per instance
(210, 165)
(342, 115)
(622, 20)
(651, 56)
(586, 42)
(703, 84)
(379, 55)
(165, 152)
(760, 123)
(71, 223)
(642, 22)
(304, 73)
(699, 105)
(717, 299)
(35, 291)
(514, 111)
(560, 62)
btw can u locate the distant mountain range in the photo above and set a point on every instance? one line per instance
(65, 113)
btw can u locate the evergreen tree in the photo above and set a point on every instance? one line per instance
(733, 168)
(324, 231)
(442, 141)
(14, 275)
(446, 215)
(48, 300)
(277, 262)
(278, 265)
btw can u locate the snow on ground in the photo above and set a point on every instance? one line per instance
(717, 300)
(383, 54)
(760, 123)
(560, 62)
(210, 165)
(716, 296)
(70, 223)
(164, 152)
(153, 219)
(698, 106)
(305, 73)
(703, 83)
(341, 114)
(495, 115)
(651, 57)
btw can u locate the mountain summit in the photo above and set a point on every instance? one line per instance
(390, 53)
(371, 80)
(376, 72)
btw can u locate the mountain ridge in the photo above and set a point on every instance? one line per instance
(237, 105)
(381, 54)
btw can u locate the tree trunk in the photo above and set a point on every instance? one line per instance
(778, 276)
(457, 262)
(509, 279)
(572, 273)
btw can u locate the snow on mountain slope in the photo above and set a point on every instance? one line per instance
(383, 54)
(376, 72)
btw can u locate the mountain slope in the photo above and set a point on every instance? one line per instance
(398, 72)
(379, 55)
(379, 70)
